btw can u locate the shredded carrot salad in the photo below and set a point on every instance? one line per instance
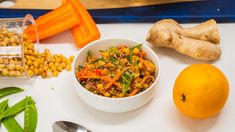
(118, 72)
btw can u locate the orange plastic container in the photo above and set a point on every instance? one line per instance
(70, 15)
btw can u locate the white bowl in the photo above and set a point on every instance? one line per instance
(114, 105)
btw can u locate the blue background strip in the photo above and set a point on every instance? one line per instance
(221, 10)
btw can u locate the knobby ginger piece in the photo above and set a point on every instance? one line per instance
(200, 42)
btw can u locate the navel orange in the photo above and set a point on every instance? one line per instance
(200, 91)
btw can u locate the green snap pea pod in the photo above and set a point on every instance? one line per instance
(30, 100)
(11, 124)
(9, 90)
(15, 109)
(30, 118)
(3, 105)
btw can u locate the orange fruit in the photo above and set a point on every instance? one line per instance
(200, 91)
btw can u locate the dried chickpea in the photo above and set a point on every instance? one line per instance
(12, 73)
(10, 34)
(63, 65)
(30, 73)
(17, 40)
(13, 44)
(29, 62)
(40, 70)
(53, 68)
(27, 56)
(11, 67)
(36, 71)
(63, 59)
(1, 36)
(46, 51)
(49, 73)
(31, 47)
(43, 55)
(12, 40)
(1, 60)
(71, 58)
(45, 68)
(41, 60)
(4, 43)
(44, 75)
(30, 52)
(68, 62)
(5, 61)
(51, 64)
(12, 61)
(35, 54)
(19, 68)
(6, 40)
(58, 59)
(1, 66)
(57, 64)
(60, 68)
(53, 60)
(4, 72)
(55, 73)
(19, 62)
(31, 67)
(26, 67)
(32, 58)
(36, 64)
(17, 73)
(68, 68)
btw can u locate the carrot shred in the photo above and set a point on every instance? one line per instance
(108, 79)
(134, 92)
(90, 77)
(77, 75)
(115, 78)
(56, 21)
(145, 77)
(145, 64)
(98, 77)
(119, 86)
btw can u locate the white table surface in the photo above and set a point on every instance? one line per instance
(160, 114)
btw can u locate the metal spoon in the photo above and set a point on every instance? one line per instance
(66, 126)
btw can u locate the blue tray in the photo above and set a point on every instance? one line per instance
(221, 10)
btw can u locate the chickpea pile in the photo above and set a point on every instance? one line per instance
(43, 64)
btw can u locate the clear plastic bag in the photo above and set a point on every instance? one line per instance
(12, 46)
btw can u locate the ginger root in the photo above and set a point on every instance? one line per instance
(200, 42)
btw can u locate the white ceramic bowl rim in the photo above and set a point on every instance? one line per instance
(123, 98)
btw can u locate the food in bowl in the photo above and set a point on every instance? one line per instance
(119, 72)
(108, 104)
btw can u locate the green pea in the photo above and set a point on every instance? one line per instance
(11, 124)
(9, 90)
(30, 118)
